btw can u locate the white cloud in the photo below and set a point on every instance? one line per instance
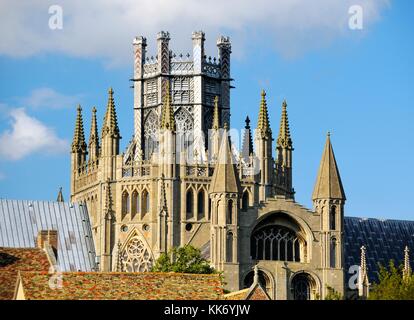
(28, 135)
(49, 98)
(105, 28)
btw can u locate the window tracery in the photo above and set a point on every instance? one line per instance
(136, 256)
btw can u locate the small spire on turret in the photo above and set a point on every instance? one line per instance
(216, 120)
(79, 144)
(93, 137)
(60, 196)
(284, 140)
(263, 124)
(407, 267)
(247, 148)
(167, 117)
(110, 124)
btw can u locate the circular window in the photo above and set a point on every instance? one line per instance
(145, 227)
(188, 227)
(124, 228)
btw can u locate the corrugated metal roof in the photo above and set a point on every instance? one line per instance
(384, 240)
(21, 220)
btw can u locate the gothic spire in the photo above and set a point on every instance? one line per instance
(93, 136)
(284, 140)
(216, 120)
(407, 267)
(263, 124)
(79, 144)
(247, 148)
(328, 183)
(110, 124)
(60, 196)
(167, 117)
(225, 177)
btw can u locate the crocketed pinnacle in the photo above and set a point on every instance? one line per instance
(110, 124)
(93, 136)
(284, 140)
(108, 200)
(216, 120)
(407, 267)
(263, 124)
(79, 144)
(167, 118)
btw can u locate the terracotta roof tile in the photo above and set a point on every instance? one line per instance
(13, 260)
(123, 286)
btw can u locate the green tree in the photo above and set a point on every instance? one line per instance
(185, 259)
(333, 294)
(391, 284)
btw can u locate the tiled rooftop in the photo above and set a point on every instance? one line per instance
(123, 286)
(13, 260)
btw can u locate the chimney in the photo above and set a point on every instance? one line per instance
(48, 238)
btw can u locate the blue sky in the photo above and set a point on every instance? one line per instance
(358, 84)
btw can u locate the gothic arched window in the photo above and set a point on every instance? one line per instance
(333, 253)
(245, 201)
(302, 285)
(135, 203)
(200, 204)
(229, 216)
(150, 134)
(145, 202)
(274, 242)
(189, 204)
(126, 202)
(332, 218)
(229, 247)
(136, 256)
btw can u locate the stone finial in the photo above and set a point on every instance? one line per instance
(256, 274)
(407, 267)
(140, 40)
(263, 124)
(78, 143)
(165, 35)
(284, 140)
(216, 120)
(167, 116)
(60, 196)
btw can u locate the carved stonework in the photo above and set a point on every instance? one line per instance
(136, 256)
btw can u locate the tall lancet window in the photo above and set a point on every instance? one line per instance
(145, 202)
(190, 204)
(200, 205)
(135, 203)
(229, 247)
(332, 218)
(333, 253)
(229, 212)
(245, 201)
(126, 202)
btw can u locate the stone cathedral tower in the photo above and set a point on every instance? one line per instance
(181, 181)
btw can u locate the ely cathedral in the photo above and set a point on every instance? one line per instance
(181, 181)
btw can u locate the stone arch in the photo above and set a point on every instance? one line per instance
(304, 285)
(245, 200)
(135, 254)
(135, 203)
(189, 203)
(126, 204)
(145, 202)
(280, 236)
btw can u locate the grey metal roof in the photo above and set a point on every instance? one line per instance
(384, 240)
(21, 220)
